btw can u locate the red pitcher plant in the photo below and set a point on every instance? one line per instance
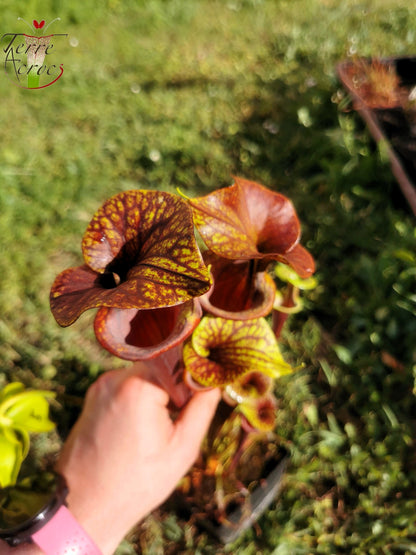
(200, 312)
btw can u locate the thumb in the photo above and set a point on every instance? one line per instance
(193, 424)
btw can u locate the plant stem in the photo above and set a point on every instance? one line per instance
(279, 318)
(166, 371)
(243, 443)
(32, 80)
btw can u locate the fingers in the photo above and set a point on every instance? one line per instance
(193, 424)
(110, 383)
(133, 390)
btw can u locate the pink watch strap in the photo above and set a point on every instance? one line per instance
(62, 535)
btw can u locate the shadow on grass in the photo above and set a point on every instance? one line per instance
(360, 230)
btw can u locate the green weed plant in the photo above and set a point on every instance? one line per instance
(22, 412)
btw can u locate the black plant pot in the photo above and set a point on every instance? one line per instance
(228, 524)
(255, 504)
(391, 126)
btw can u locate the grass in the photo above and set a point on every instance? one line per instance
(165, 94)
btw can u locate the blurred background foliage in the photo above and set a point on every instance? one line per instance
(180, 93)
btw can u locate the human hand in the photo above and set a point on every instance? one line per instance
(125, 455)
(23, 549)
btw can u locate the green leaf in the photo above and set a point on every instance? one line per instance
(21, 412)
(11, 458)
(10, 390)
(287, 274)
(29, 411)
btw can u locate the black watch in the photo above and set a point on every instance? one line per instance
(34, 510)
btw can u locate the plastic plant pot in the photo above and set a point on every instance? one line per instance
(390, 125)
(255, 504)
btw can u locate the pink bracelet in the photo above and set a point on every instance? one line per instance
(63, 535)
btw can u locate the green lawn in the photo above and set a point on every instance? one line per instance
(161, 94)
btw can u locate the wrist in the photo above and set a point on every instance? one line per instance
(63, 535)
(34, 513)
(104, 523)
